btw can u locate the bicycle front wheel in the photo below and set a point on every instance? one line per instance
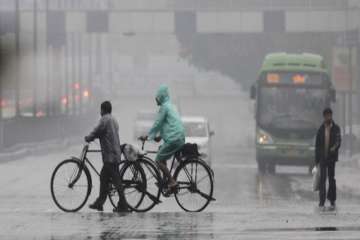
(153, 185)
(70, 185)
(195, 188)
(134, 181)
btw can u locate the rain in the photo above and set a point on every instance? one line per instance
(248, 82)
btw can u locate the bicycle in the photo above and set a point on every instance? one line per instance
(188, 171)
(71, 183)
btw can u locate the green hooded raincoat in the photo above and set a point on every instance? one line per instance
(168, 123)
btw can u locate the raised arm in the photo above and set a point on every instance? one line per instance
(97, 131)
(158, 123)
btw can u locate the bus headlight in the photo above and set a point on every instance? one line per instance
(264, 138)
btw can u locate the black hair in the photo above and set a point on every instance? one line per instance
(327, 111)
(106, 107)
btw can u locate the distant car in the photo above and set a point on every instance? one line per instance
(197, 130)
(143, 122)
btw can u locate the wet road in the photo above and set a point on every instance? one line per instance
(248, 206)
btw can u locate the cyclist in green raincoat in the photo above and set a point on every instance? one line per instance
(168, 123)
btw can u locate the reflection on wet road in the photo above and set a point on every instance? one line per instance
(248, 205)
(272, 187)
(262, 224)
(242, 186)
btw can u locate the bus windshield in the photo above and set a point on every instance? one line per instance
(291, 107)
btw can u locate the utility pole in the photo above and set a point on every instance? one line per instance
(110, 68)
(66, 80)
(1, 98)
(74, 104)
(47, 65)
(35, 60)
(80, 80)
(18, 62)
(349, 44)
(90, 67)
(1, 82)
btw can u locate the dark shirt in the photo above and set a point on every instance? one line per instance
(331, 154)
(107, 131)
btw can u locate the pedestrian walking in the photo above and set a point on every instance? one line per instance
(328, 141)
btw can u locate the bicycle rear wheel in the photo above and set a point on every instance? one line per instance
(113, 195)
(134, 181)
(195, 188)
(70, 185)
(153, 185)
(113, 192)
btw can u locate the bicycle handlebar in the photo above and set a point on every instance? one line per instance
(143, 140)
(87, 146)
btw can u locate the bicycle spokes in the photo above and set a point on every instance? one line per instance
(195, 186)
(150, 190)
(134, 182)
(70, 187)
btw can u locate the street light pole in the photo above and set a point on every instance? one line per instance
(66, 80)
(35, 62)
(349, 46)
(80, 80)
(17, 52)
(47, 80)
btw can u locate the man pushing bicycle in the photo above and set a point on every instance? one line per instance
(169, 125)
(107, 131)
